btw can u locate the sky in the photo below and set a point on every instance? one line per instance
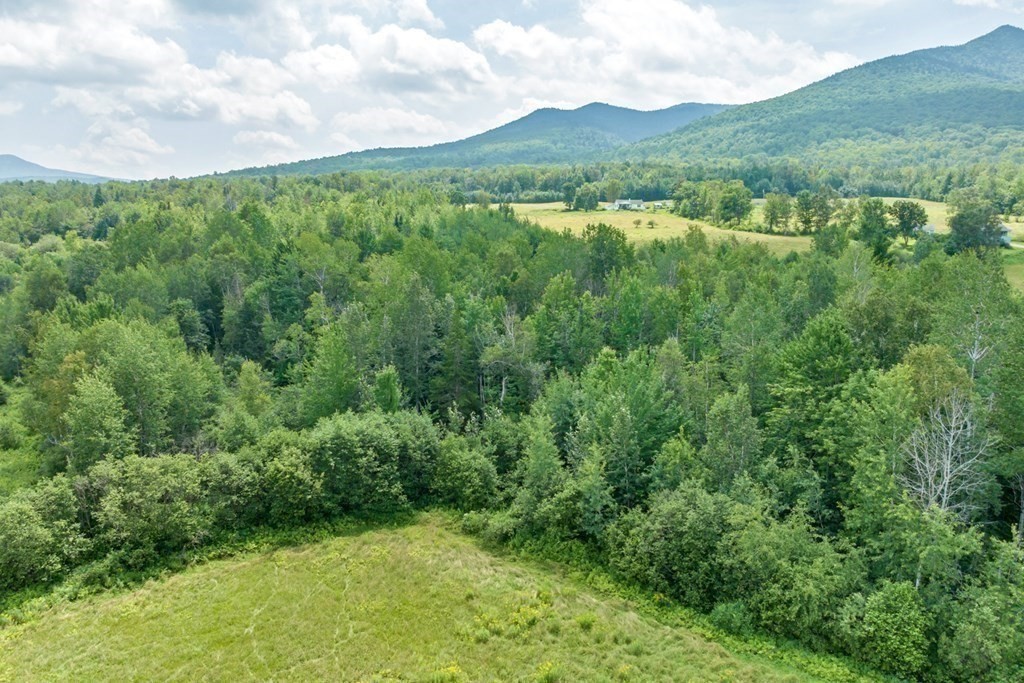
(155, 88)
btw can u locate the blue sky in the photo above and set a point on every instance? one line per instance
(148, 88)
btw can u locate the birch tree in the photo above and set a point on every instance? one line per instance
(944, 459)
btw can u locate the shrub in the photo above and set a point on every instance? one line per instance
(150, 506)
(674, 548)
(29, 551)
(235, 488)
(893, 633)
(733, 617)
(236, 428)
(793, 582)
(464, 477)
(294, 493)
(39, 534)
(358, 458)
(418, 444)
(12, 434)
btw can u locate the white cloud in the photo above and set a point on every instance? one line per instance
(264, 139)
(328, 67)
(196, 93)
(417, 12)
(9, 108)
(414, 61)
(1015, 6)
(95, 41)
(535, 43)
(91, 102)
(655, 53)
(109, 146)
(392, 126)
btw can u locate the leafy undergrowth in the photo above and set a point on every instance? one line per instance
(416, 602)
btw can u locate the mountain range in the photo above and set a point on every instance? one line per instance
(946, 105)
(14, 168)
(546, 136)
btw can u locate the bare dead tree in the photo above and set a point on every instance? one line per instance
(943, 460)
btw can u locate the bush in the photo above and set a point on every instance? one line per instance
(985, 641)
(235, 488)
(358, 458)
(418, 444)
(12, 434)
(893, 634)
(40, 536)
(150, 506)
(294, 493)
(733, 617)
(29, 551)
(236, 428)
(464, 477)
(674, 548)
(793, 582)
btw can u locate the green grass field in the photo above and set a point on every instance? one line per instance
(1014, 265)
(667, 225)
(418, 602)
(554, 216)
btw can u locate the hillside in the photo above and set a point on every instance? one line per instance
(543, 137)
(949, 105)
(16, 168)
(412, 603)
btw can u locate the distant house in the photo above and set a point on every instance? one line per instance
(926, 230)
(659, 205)
(627, 205)
(1005, 237)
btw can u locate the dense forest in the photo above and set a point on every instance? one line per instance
(826, 447)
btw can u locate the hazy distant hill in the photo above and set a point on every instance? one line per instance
(950, 105)
(16, 168)
(543, 137)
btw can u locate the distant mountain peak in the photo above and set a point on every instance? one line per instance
(545, 136)
(14, 168)
(1008, 29)
(1007, 34)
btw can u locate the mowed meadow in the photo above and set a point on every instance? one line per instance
(667, 225)
(418, 602)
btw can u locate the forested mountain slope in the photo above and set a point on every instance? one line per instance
(945, 105)
(543, 137)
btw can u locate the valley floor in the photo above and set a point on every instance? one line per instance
(418, 602)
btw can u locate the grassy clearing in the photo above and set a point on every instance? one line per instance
(936, 211)
(555, 217)
(416, 603)
(1014, 266)
(667, 225)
